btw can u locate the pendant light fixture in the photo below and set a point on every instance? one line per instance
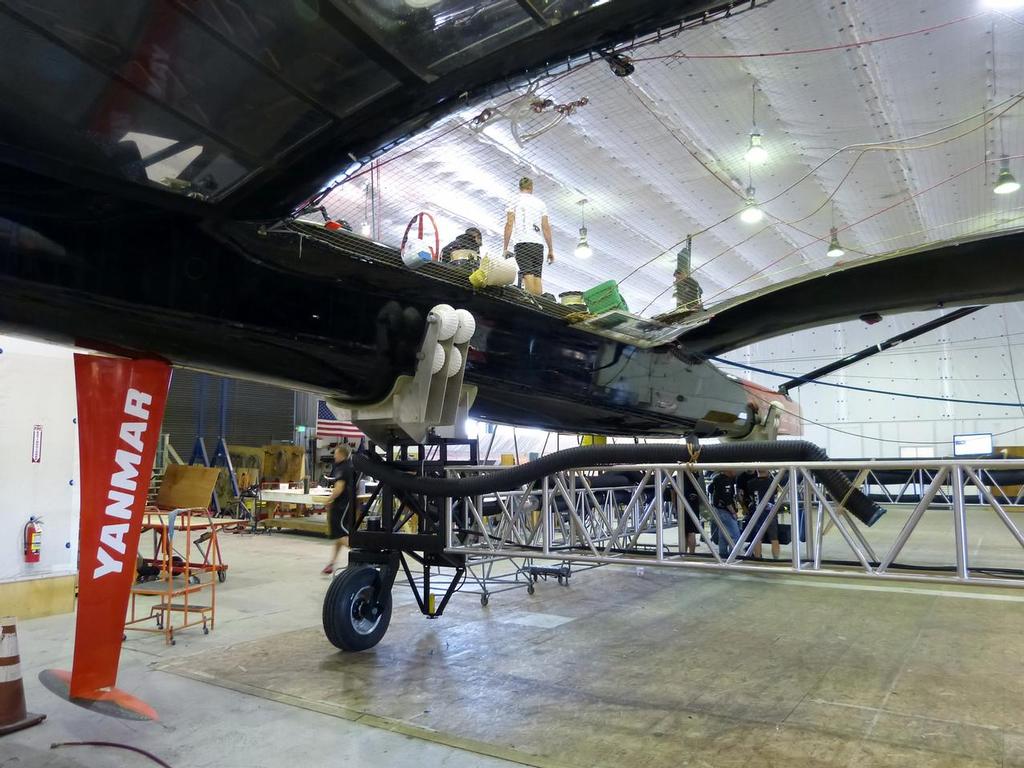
(756, 153)
(1006, 184)
(583, 250)
(834, 249)
(752, 214)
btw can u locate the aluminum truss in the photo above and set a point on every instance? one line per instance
(568, 517)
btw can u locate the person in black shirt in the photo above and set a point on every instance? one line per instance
(686, 525)
(723, 496)
(756, 489)
(341, 478)
(742, 492)
(464, 248)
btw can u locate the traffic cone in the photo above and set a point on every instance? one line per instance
(13, 715)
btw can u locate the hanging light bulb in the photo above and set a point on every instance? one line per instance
(752, 214)
(1006, 184)
(834, 249)
(756, 153)
(583, 249)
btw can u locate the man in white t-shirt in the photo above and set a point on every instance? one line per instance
(527, 230)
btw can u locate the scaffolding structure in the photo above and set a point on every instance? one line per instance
(567, 517)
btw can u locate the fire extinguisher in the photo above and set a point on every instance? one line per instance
(33, 539)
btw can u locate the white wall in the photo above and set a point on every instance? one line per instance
(37, 386)
(979, 357)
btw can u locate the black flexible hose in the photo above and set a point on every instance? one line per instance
(112, 745)
(838, 485)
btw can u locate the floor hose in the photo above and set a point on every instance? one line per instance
(859, 505)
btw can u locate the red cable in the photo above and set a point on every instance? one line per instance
(861, 221)
(824, 49)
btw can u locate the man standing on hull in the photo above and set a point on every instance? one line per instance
(528, 230)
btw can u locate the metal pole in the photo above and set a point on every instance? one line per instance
(959, 522)
(912, 521)
(659, 516)
(546, 511)
(448, 522)
(794, 511)
(810, 534)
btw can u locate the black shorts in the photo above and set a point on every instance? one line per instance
(771, 533)
(688, 525)
(337, 525)
(530, 258)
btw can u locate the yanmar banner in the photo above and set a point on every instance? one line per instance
(120, 410)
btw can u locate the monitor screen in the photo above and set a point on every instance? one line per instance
(972, 445)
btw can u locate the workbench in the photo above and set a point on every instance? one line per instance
(306, 519)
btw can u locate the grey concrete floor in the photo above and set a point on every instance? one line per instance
(670, 668)
(273, 587)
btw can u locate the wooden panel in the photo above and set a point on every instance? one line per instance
(38, 597)
(284, 464)
(186, 486)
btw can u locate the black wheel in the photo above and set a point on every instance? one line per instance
(530, 589)
(222, 576)
(206, 630)
(484, 600)
(356, 612)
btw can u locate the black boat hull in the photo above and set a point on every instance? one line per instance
(235, 299)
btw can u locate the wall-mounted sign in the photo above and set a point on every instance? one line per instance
(37, 443)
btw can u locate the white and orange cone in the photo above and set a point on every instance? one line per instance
(13, 714)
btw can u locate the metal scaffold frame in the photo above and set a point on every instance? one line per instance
(567, 517)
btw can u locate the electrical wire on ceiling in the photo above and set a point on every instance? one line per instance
(679, 55)
(860, 221)
(549, 79)
(869, 390)
(828, 427)
(909, 348)
(652, 39)
(896, 145)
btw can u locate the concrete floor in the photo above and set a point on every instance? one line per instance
(671, 668)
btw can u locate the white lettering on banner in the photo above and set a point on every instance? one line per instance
(131, 433)
(125, 477)
(120, 504)
(136, 405)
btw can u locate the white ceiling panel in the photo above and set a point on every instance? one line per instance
(898, 140)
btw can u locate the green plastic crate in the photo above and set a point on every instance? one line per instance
(604, 298)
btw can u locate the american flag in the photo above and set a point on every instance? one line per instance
(328, 425)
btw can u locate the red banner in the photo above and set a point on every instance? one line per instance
(120, 410)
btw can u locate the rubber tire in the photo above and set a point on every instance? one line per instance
(484, 600)
(222, 576)
(337, 612)
(530, 589)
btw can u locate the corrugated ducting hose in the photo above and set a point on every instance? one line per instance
(837, 484)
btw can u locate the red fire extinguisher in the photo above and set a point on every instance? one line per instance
(33, 539)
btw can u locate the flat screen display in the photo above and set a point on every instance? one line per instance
(972, 445)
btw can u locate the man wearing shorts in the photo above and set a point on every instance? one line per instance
(757, 489)
(723, 496)
(527, 230)
(341, 477)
